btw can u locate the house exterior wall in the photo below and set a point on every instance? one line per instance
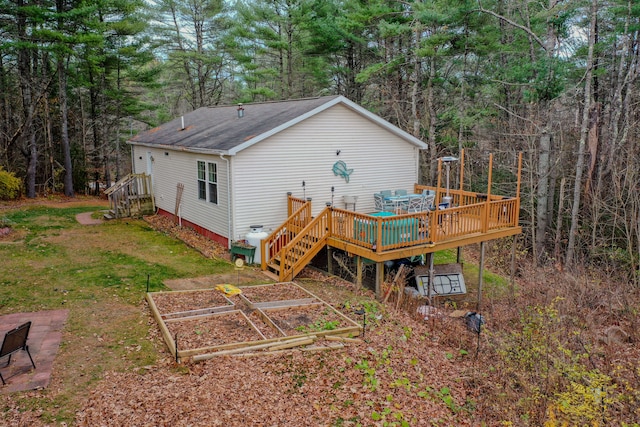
(263, 173)
(167, 170)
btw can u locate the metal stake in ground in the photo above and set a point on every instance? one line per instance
(239, 264)
(474, 322)
(175, 339)
(148, 275)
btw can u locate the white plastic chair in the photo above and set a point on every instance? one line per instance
(416, 204)
(428, 202)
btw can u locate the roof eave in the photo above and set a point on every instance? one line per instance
(195, 150)
(338, 100)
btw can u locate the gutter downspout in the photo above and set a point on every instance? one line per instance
(133, 160)
(230, 225)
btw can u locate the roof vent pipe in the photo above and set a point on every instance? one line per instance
(182, 128)
(240, 111)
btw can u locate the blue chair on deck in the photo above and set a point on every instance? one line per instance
(381, 204)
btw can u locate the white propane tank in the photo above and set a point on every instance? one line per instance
(254, 237)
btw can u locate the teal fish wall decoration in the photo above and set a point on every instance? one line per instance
(340, 169)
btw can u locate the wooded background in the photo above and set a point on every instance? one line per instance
(556, 80)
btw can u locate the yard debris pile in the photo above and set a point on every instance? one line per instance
(189, 236)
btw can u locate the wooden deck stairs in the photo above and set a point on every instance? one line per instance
(293, 245)
(130, 197)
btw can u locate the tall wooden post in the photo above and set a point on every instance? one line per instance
(432, 277)
(479, 305)
(512, 281)
(487, 206)
(461, 173)
(379, 279)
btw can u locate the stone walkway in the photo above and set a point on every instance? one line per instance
(43, 341)
(86, 219)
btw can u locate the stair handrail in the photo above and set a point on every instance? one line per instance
(297, 221)
(121, 183)
(290, 262)
(138, 184)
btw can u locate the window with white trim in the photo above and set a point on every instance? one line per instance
(208, 181)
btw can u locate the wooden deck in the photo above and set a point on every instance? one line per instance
(474, 218)
(382, 239)
(375, 238)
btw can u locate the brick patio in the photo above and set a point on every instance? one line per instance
(43, 341)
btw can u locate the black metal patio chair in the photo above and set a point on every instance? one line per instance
(16, 340)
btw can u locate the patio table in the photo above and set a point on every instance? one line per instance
(401, 201)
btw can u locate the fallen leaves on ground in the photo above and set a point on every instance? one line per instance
(189, 236)
(399, 373)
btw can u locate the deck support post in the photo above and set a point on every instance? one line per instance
(329, 260)
(358, 270)
(379, 279)
(432, 277)
(481, 269)
(512, 279)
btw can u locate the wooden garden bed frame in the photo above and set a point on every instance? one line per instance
(262, 308)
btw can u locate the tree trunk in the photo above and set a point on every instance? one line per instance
(543, 192)
(584, 133)
(25, 75)
(64, 130)
(431, 108)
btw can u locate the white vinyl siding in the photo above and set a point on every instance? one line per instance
(265, 172)
(177, 167)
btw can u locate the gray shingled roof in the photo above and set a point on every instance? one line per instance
(220, 130)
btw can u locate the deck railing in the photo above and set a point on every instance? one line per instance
(305, 245)
(381, 234)
(292, 245)
(294, 203)
(282, 235)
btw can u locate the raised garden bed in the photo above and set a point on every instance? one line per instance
(316, 318)
(286, 291)
(263, 317)
(213, 330)
(181, 301)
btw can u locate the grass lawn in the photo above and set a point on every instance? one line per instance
(99, 273)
